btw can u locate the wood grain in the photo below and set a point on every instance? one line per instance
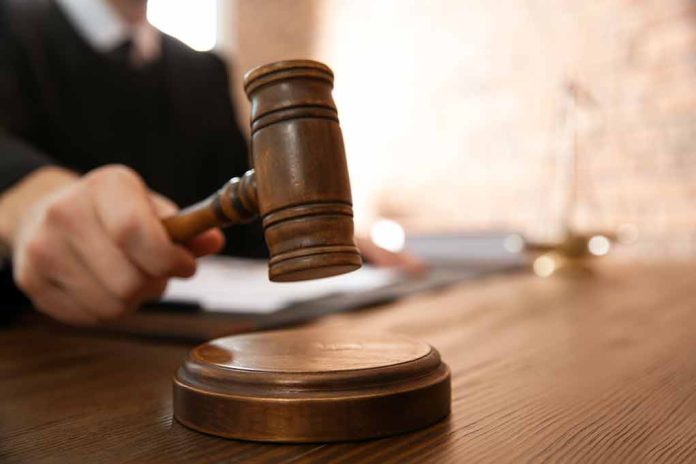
(299, 185)
(311, 385)
(593, 370)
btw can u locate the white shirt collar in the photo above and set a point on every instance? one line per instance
(104, 30)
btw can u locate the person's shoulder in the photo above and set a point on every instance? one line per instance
(200, 74)
(25, 9)
(22, 18)
(179, 52)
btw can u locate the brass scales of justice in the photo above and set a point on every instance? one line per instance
(301, 385)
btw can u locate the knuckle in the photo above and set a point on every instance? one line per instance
(121, 174)
(115, 175)
(25, 279)
(60, 213)
(126, 289)
(38, 252)
(94, 179)
(127, 229)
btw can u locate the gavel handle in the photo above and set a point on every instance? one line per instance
(234, 203)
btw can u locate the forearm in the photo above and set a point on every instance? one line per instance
(22, 196)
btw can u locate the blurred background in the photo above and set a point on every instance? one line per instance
(472, 116)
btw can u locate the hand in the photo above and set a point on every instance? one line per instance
(94, 249)
(381, 257)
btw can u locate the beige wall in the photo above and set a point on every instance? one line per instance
(456, 113)
(255, 32)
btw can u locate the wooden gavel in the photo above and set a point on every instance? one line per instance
(299, 184)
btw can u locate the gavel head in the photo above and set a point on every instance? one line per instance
(302, 184)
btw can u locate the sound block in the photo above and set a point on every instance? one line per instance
(311, 386)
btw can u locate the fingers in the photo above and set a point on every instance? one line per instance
(102, 258)
(49, 269)
(48, 296)
(129, 218)
(60, 305)
(381, 257)
(164, 207)
(207, 243)
(96, 249)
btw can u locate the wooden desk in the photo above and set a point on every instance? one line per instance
(567, 371)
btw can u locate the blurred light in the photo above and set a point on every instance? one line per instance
(627, 233)
(192, 22)
(544, 265)
(388, 234)
(514, 243)
(599, 245)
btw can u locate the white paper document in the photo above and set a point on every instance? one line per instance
(235, 285)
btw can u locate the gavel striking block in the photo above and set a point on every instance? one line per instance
(299, 184)
(301, 385)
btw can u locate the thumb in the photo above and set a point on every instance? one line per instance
(163, 206)
(207, 243)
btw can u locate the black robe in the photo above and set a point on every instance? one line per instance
(65, 104)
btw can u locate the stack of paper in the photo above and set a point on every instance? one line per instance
(225, 284)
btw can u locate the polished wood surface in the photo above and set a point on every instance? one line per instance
(587, 370)
(310, 351)
(312, 385)
(299, 184)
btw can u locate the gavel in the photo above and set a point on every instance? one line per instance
(301, 385)
(299, 183)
